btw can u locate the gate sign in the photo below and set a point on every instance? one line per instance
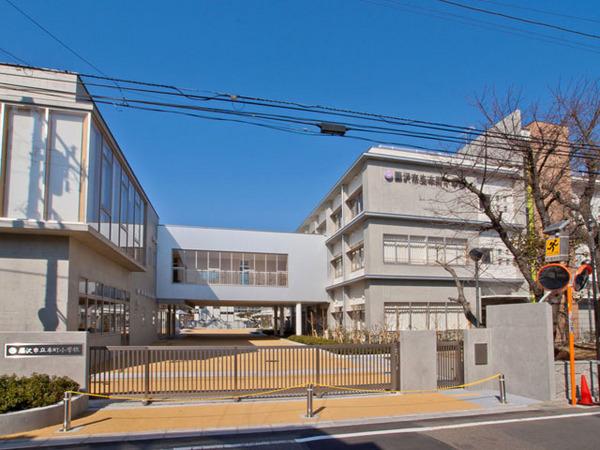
(32, 350)
(554, 277)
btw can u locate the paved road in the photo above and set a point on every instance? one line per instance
(544, 429)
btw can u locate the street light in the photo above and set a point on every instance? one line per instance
(476, 254)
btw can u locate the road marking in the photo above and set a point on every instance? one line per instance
(440, 427)
(325, 437)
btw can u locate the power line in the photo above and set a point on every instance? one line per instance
(444, 15)
(337, 112)
(253, 118)
(520, 19)
(315, 121)
(541, 11)
(60, 41)
(13, 56)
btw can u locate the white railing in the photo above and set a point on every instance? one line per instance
(226, 277)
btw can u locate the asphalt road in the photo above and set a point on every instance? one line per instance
(544, 429)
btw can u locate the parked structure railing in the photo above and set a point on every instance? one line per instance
(155, 371)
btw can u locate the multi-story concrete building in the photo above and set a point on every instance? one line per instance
(77, 231)
(81, 248)
(391, 220)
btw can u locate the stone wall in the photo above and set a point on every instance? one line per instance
(562, 377)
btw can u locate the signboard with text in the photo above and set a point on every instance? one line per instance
(18, 350)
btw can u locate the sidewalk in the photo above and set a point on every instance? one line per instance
(129, 419)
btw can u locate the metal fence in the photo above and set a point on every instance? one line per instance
(450, 363)
(156, 371)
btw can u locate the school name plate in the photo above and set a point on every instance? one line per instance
(32, 350)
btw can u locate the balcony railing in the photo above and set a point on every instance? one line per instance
(233, 278)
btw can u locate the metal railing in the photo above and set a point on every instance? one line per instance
(155, 371)
(230, 277)
(450, 364)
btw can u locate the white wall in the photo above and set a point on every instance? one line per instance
(306, 264)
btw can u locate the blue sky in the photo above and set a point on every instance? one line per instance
(407, 58)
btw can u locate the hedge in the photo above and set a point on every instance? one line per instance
(18, 393)
(312, 340)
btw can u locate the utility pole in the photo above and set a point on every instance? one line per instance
(592, 245)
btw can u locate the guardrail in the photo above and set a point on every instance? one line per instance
(154, 371)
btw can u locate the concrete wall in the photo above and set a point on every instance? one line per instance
(34, 275)
(418, 360)
(74, 367)
(519, 339)
(394, 291)
(36, 418)
(307, 264)
(86, 263)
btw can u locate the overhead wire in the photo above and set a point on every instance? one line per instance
(168, 108)
(340, 112)
(541, 11)
(520, 19)
(479, 23)
(289, 119)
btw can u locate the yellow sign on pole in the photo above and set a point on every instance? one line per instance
(553, 247)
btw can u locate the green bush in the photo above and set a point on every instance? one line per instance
(312, 340)
(18, 393)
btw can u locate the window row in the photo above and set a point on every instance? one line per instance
(357, 258)
(42, 161)
(405, 249)
(116, 208)
(103, 309)
(233, 268)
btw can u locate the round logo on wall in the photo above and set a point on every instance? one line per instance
(389, 175)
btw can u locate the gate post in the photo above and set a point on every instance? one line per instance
(318, 365)
(395, 366)
(147, 373)
(235, 368)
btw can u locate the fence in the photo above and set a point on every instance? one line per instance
(450, 363)
(156, 371)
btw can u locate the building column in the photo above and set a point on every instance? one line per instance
(298, 319)
(275, 321)
(282, 321)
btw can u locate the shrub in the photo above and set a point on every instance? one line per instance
(312, 340)
(18, 393)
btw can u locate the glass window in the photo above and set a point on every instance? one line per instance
(418, 254)
(282, 263)
(94, 161)
(116, 197)
(216, 267)
(130, 220)
(435, 250)
(65, 166)
(82, 314)
(26, 163)
(106, 188)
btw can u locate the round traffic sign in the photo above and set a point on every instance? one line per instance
(554, 277)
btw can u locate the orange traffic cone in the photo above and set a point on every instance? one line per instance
(586, 396)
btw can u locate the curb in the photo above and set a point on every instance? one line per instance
(231, 431)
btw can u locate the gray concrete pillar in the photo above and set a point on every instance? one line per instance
(281, 321)
(275, 319)
(418, 360)
(298, 319)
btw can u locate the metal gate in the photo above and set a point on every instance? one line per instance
(156, 371)
(450, 363)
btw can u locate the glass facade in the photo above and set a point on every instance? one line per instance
(44, 167)
(103, 309)
(116, 208)
(230, 268)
